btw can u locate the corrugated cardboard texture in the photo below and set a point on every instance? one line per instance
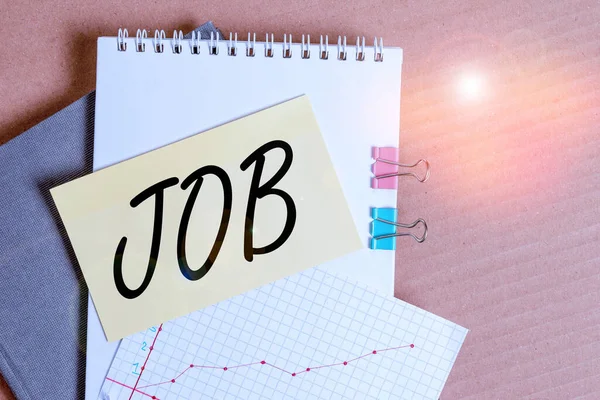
(513, 203)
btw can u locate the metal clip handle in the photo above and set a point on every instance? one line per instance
(419, 239)
(420, 179)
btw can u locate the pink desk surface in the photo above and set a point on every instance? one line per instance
(503, 98)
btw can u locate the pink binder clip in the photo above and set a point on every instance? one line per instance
(386, 168)
(385, 172)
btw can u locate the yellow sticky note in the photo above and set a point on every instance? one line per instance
(207, 218)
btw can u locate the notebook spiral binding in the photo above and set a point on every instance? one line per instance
(195, 44)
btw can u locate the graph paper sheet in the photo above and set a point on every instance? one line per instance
(310, 336)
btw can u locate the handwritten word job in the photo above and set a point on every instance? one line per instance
(195, 180)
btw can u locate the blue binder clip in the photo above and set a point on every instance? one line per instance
(384, 229)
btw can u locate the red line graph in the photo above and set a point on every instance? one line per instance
(135, 388)
(129, 387)
(144, 366)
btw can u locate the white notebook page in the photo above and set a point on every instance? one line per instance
(145, 100)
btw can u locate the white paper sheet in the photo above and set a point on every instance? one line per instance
(313, 335)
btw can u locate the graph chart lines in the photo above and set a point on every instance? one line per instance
(146, 361)
(313, 335)
(173, 380)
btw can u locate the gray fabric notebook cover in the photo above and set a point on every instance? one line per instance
(43, 297)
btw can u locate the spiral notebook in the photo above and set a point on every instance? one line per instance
(148, 96)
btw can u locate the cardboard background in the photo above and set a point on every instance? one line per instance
(513, 208)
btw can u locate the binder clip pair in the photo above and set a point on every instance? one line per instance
(385, 226)
(384, 229)
(386, 168)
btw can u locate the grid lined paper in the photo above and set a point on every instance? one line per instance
(312, 335)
